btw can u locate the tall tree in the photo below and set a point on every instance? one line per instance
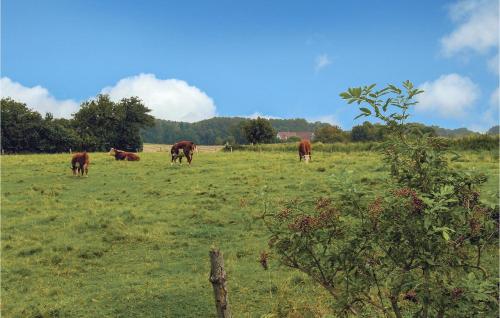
(20, 127)
(259, 131)
(57, 135)
(103, 123)
(329, 134)
(364, 132)
(132, 116)
(96, 123)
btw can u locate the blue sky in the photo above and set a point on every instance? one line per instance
(190, 60)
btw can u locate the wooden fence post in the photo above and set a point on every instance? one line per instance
(218, 280)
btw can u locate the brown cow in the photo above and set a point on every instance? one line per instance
(305, 150)
(123, 155)
(187, 147)
(80, 163)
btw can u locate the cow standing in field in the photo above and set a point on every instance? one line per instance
(187, 147)
(305, 150)
(80, 163)
(123, 155)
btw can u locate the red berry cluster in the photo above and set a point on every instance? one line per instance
(304, 224)
(457, 293)
(375, 209)
(411, 295)
(475, 226)
(284, 214)
(469, 199)
(327, 212)
(416, 202)
(323, 203)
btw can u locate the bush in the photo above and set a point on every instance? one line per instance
(415, 248)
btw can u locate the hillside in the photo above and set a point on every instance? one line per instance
(215, 130)
(218, 130)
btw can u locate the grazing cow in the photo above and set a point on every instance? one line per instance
(80, 163)
(187, 147)
(123, 155)
(305, 150)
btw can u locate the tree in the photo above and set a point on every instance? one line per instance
(237, 131)
(96, 123)
(20, 126)
(132, 116)
(415, 248)
(57, 135)
(259, 131)
(329, 134)
(24, 130)
(103, 123)
(364, 132)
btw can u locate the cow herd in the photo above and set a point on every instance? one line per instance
(80, 161)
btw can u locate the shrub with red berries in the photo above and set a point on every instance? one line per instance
(417, 247)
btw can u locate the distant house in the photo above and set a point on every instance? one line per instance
(284, 135)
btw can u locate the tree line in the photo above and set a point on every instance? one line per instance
(222, 130)
(98, 125)
(101, 123)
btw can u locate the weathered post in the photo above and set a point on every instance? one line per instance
(218, 280)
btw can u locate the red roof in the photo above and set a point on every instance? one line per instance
(284, 135)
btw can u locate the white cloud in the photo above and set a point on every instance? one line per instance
(37, 98)
(170, 99)
(493, 64)
(477, 28)
(321, 62)
(450, 95)
(258, 114)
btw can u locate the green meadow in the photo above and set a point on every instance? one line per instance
(132, 238)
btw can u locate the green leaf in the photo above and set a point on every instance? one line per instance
(394, 89)
(360, 115)
(345, 95)
(427, 222)
(356, 92)
(446, 236)
(384, 108)
(408, 85)
(365, 110)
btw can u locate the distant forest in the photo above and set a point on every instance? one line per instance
(219, 130)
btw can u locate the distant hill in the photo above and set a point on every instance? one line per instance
(218, 130)
(459, 132)
(495, 130)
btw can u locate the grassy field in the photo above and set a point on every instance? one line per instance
(132, 239)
